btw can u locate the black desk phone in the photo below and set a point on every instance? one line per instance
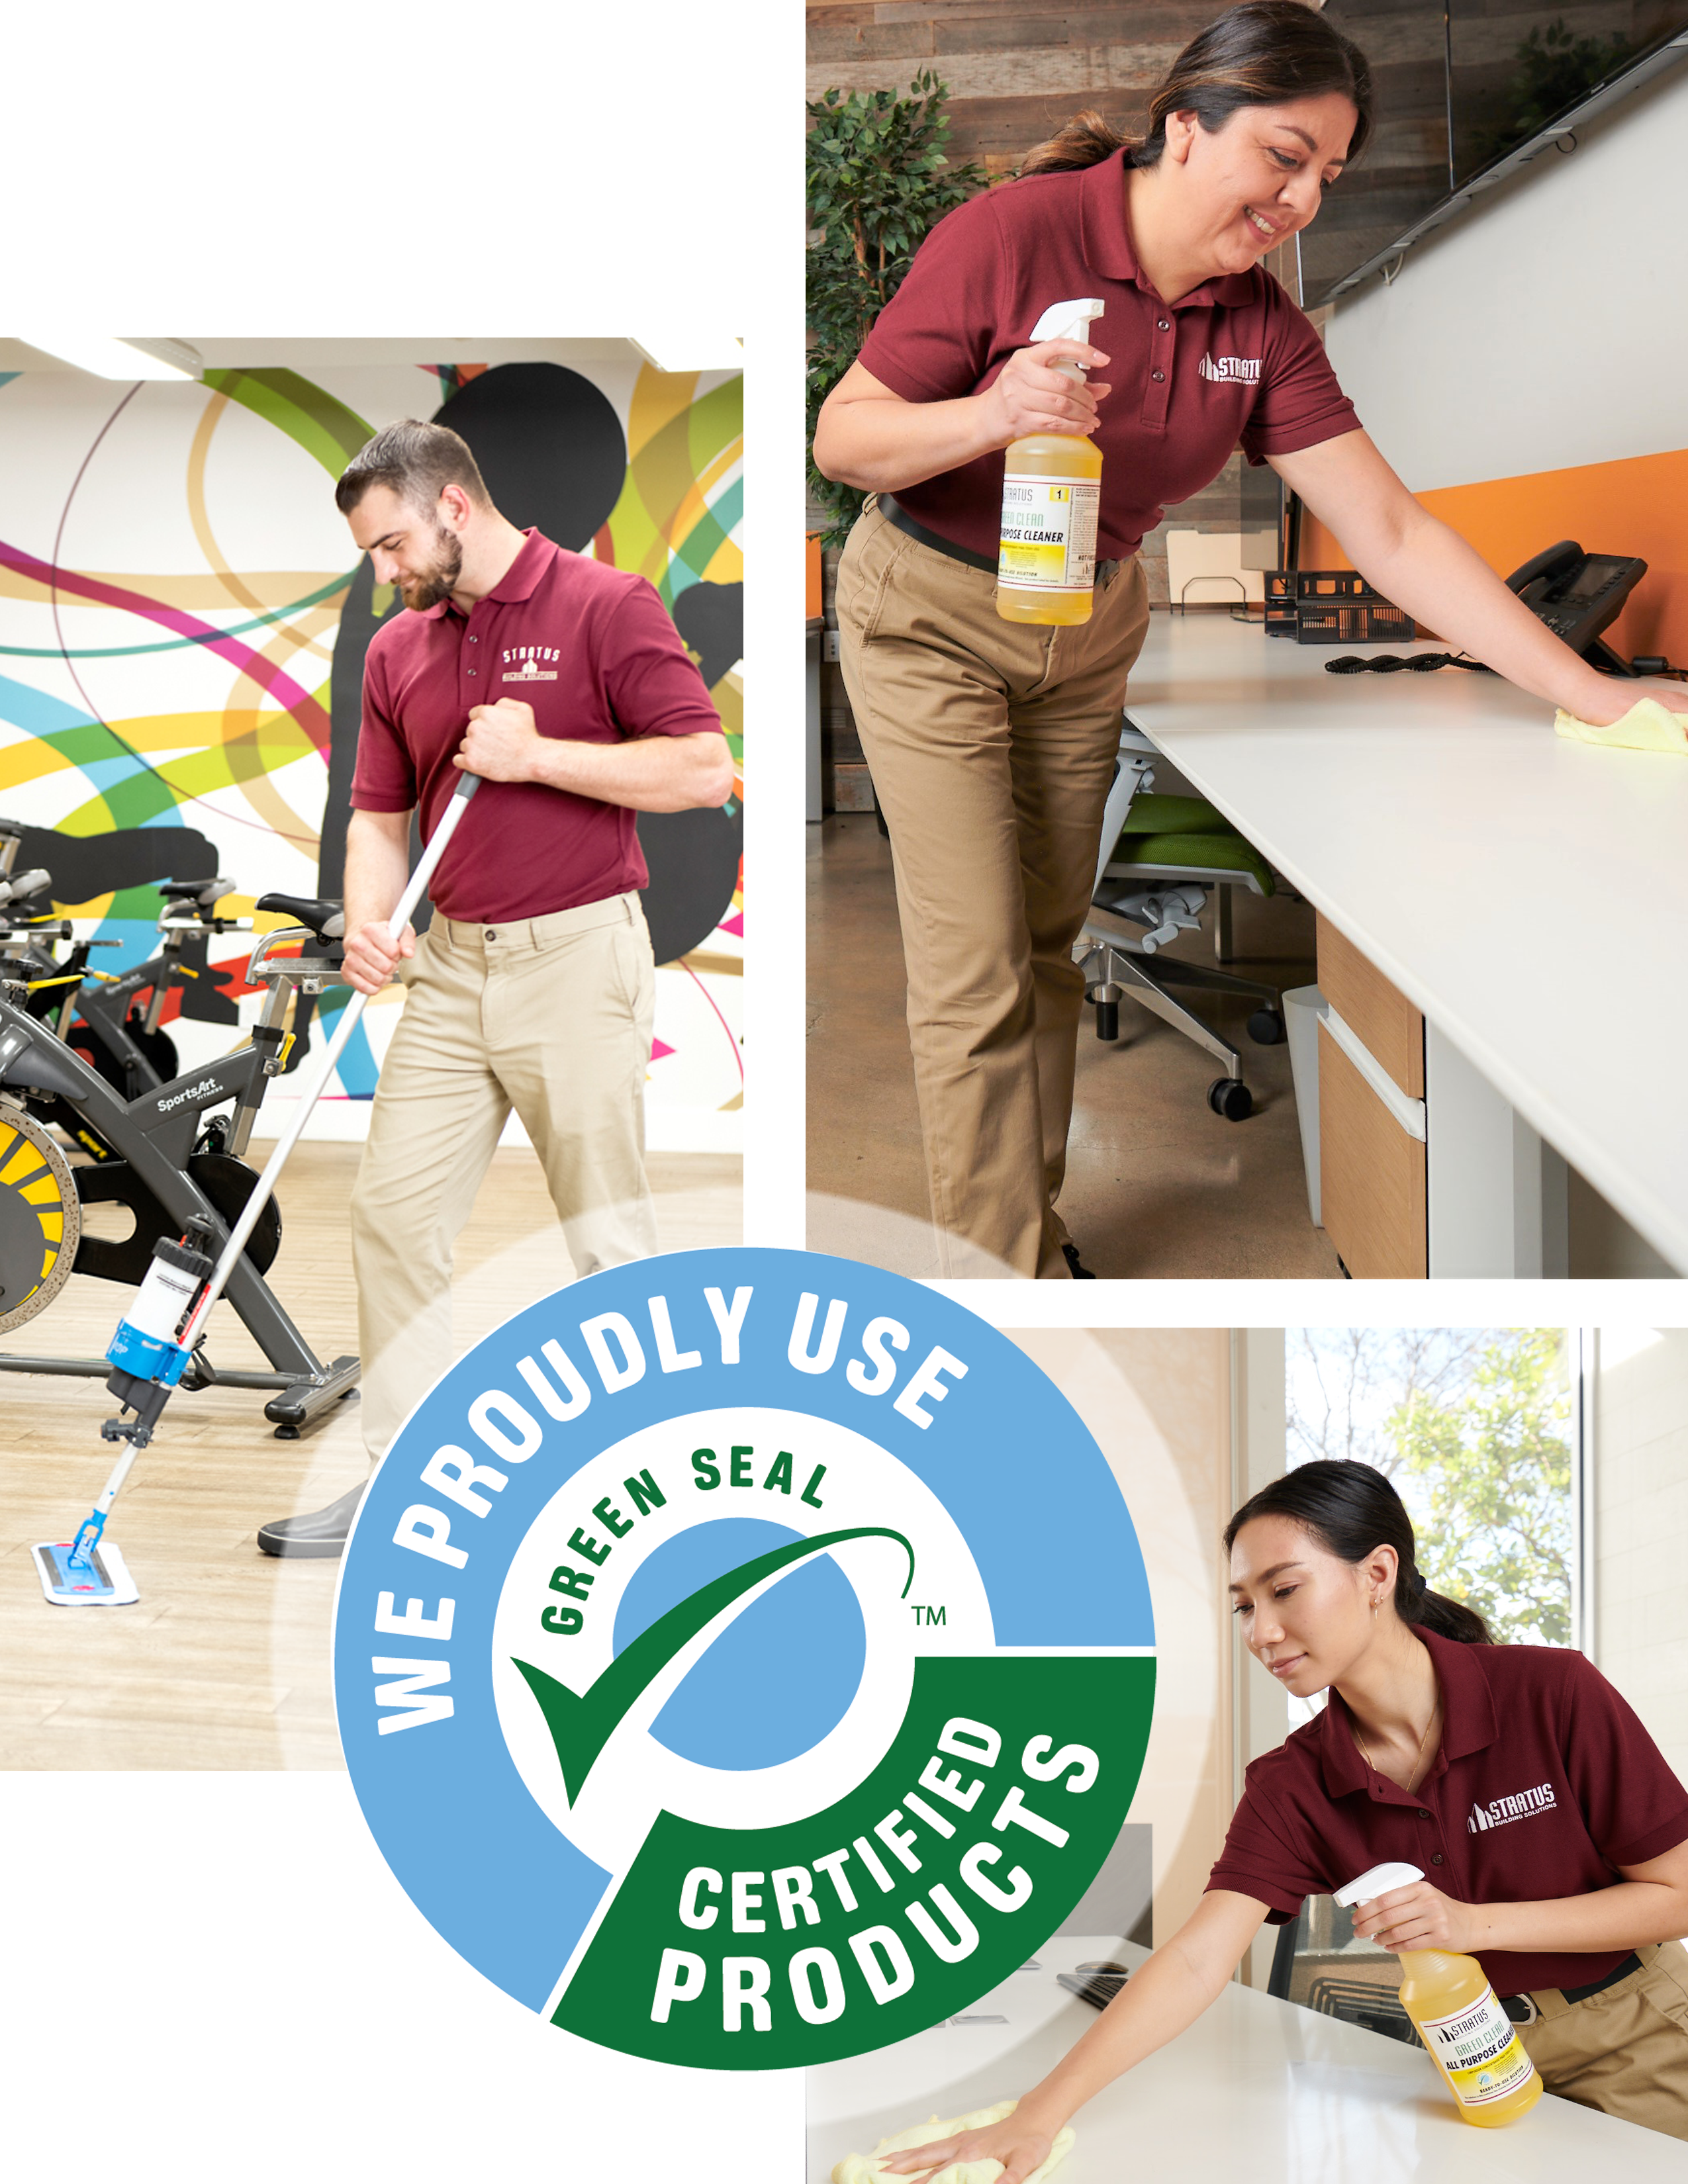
(1578, 595)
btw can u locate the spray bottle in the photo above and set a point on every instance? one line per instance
(1473, 2042)
(1051, 495)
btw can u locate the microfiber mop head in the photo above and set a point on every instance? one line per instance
(105, 1583)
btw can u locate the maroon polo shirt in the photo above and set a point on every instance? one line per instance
(1546, 1783)
(592, 649)
(1233, 360)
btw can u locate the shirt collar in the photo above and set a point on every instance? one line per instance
(521, 578)
(1105, 236)
(1468, 1721)
(519, 581)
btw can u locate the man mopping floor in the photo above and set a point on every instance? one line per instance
(533, 989)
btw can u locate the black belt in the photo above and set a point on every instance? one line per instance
(894, 512)
(1522, 2010)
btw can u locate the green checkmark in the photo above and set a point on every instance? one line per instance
(580, 1727)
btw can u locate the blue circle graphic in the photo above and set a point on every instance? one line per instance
(912, 1370)
(801, 1648)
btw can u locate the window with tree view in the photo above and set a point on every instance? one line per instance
(1475, 1429)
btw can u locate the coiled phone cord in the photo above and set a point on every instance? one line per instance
(1424, 663)
(1399, 663)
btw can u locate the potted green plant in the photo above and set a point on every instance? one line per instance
(877, 180)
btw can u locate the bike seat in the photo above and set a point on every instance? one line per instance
(326, 920)
(205, 891)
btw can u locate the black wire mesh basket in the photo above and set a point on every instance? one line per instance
(1332, 606)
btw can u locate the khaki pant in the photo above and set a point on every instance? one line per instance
(992, 746)
(1625, 2050)
(550, 1016)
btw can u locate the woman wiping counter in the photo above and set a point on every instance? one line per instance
(1515, 1775)
(992, 743)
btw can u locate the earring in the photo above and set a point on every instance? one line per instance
(1374, 1609)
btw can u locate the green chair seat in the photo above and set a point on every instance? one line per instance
(1174, 814)
(1223, 852)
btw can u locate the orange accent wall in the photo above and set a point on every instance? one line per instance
(1638, 506)
(1319, 549)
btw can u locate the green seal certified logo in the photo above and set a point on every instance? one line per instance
(746, 1659)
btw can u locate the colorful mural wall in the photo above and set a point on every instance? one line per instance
(183, 619)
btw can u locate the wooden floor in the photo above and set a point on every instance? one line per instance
(224, 1661)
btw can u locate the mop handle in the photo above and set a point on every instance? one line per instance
(88, 1538)
(264, 1190)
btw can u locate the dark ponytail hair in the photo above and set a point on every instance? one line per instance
(1351, 1509)
(1264, 54)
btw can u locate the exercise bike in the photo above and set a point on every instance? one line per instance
(126, 1042)
(102, 1015)
(29, 932)
(170, 1160)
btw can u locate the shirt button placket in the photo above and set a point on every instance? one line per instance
(1436, 1856)
(1158, 391)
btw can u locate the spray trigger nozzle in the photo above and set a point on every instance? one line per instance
(1376, 1880)
(1069, 322)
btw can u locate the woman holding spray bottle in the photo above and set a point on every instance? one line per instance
(1552, 1835)
(992, 739)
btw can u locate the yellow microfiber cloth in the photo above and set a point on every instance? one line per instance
(865, 2169)
(1647, 726)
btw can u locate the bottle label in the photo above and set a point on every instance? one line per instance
(1048, 533)
(163, 1302)
(1480, 2051)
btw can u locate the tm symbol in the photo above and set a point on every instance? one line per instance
(931, 1617)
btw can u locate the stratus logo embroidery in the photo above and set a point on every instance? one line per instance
(521, 663)
(1500, 1812)
(1245, 368)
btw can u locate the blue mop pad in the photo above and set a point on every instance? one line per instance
(106, 1583)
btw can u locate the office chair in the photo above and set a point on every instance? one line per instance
(1160, 857)
(1333, 1978)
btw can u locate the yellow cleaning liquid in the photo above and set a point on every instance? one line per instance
(1472, 2041)
(1051, 496)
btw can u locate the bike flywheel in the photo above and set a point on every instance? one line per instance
(41, 1217)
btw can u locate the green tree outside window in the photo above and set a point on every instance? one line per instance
(1473, 1428)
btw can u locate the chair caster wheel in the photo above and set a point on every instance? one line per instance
(1107, 1019)
(1230, 1097)
(1265, 1027)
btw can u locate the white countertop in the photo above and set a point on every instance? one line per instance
(1256, 2088)
(1528, 894)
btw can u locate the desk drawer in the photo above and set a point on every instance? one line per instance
(1370, 1174)
(1383, 1019)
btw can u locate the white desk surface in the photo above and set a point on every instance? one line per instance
(1256, 2088)
(1528, 894)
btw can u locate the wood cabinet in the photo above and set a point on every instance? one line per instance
(1384, 1021)
(1371, 1168)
